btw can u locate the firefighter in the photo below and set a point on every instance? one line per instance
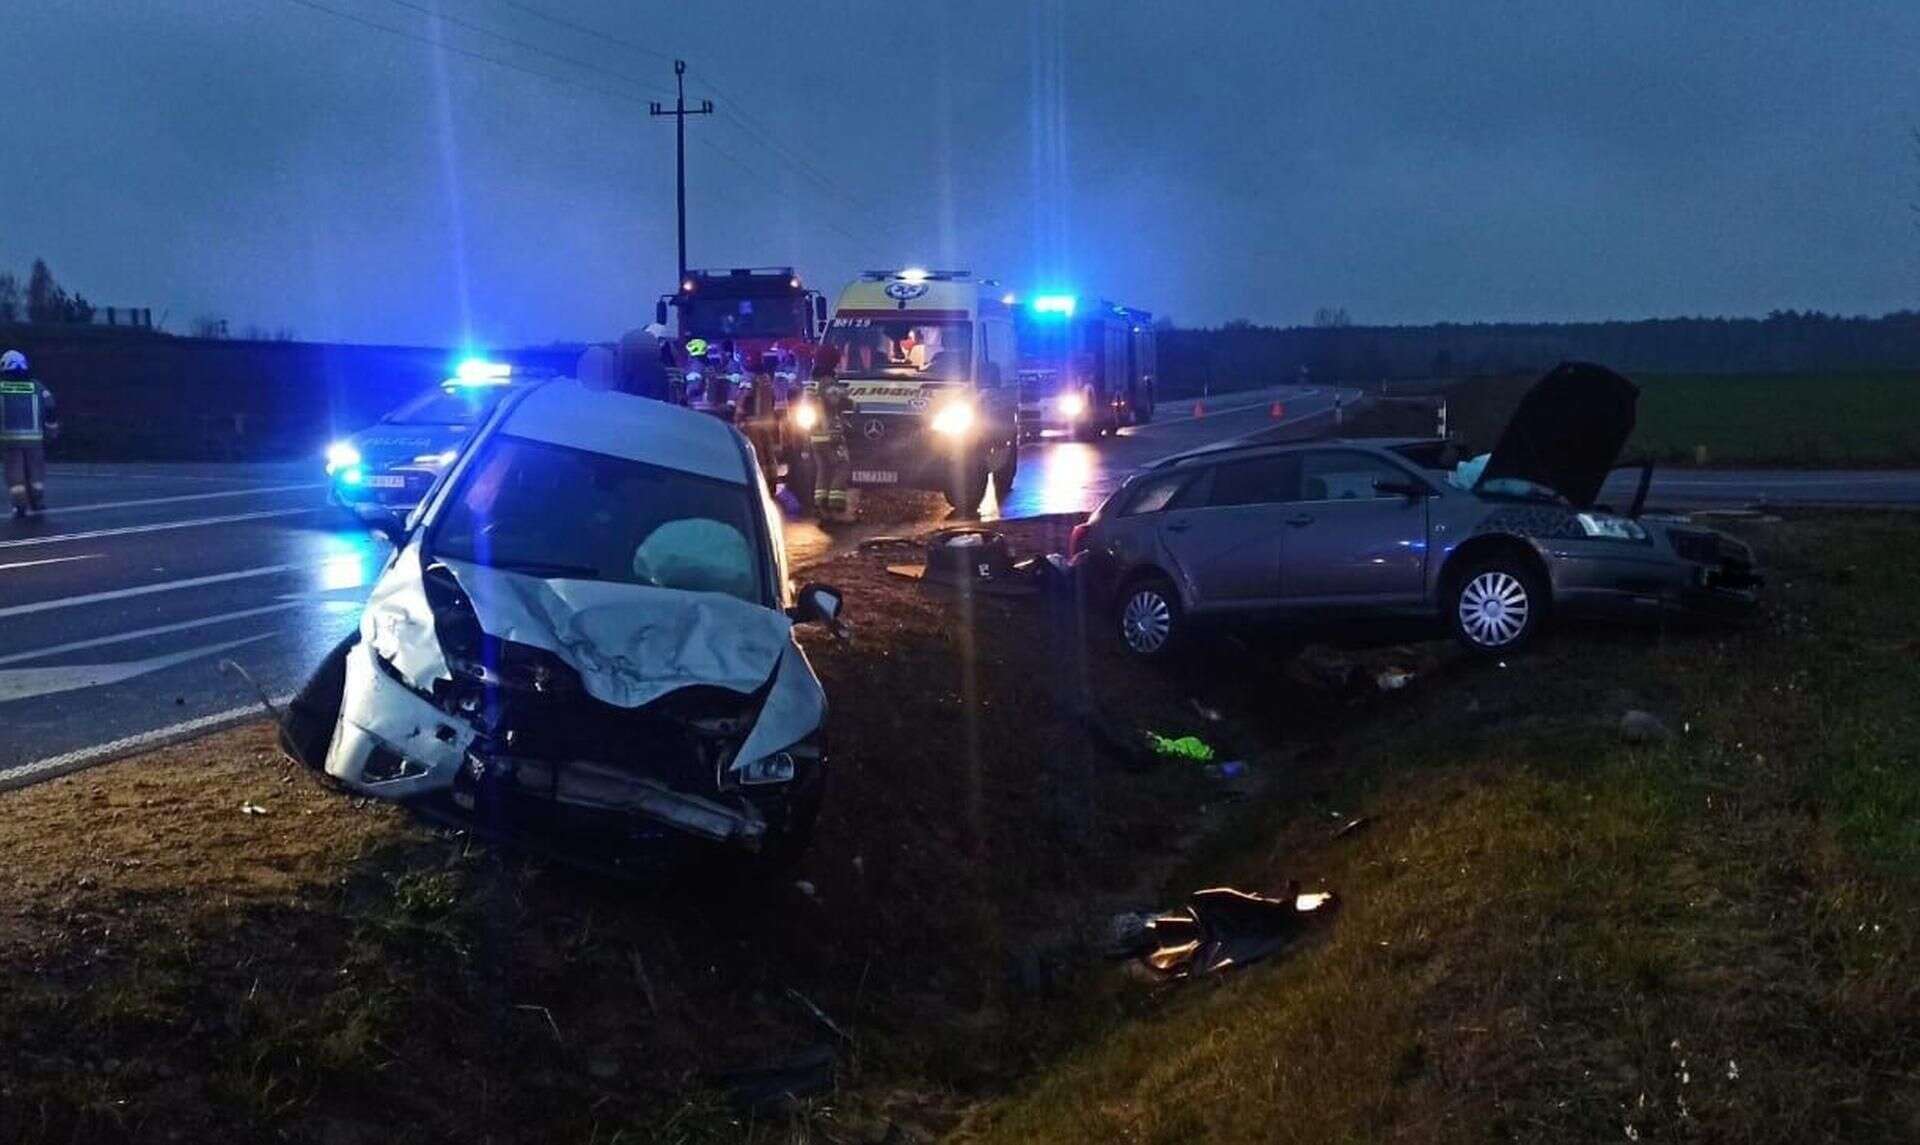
(27, 420)
(760, 417)
(833, 496)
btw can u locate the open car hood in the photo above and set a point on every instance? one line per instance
(1567, 432)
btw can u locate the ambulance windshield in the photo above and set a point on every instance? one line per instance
(902, 348)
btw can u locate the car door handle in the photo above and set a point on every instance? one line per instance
(1300, 520)
(1178, 527)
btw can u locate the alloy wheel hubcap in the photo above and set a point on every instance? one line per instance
(1494, 609)
(1146, 621)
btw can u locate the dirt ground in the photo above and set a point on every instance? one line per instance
(326, 969)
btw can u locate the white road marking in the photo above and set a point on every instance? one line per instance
(27, 683)
(51, 561)
(57, 765)
(159, 526)
(260, 491)
(143, 590)
(143, 633)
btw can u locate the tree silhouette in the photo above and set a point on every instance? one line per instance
(46, 302)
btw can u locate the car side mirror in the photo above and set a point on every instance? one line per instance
(817, 604)
(1411, 490)
(660, 312)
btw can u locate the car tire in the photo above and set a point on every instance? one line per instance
(966, 491)
(1149, 619)
(1006, 471)
(1496, 605)
(1143, 406)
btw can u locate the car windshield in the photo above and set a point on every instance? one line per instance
(774, 316)
(448, 405)
(903, 348)
(550, 511)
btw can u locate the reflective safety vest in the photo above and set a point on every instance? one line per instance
(831, 429)
(23, 412)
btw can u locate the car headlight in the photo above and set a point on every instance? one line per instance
(806, 414)
(1610, 527)
(1072, 405)
(779, 766)
(341, 455)
(953, 419)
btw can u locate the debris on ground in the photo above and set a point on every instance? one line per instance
(780, 1083)
(1227, 769)
(1351, 826)
(1190, 748)
(1220, 928)
(974, 559)
(1210, 714)
(253, 809)
(1643, 727)
(1393, 679)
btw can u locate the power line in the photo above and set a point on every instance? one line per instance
(525, 46)
(509, 65)
(442, 45)
(757, 131)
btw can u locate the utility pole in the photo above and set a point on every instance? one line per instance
(680, 112)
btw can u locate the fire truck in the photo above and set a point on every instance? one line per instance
(755, 308)
(1086, 366)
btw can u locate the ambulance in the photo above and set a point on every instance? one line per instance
(930, 364)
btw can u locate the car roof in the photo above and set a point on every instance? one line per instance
(1231, 450)
(565, 412)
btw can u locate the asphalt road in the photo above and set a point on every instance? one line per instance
(119, 606)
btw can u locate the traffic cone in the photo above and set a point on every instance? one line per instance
(1276, 411)
(1199, 409)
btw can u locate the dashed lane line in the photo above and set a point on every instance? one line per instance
(260, 491)
(145, 589)
(158, 527)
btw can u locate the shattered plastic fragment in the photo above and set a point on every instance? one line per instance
(1221, 928)
(253, 809)
(1191, 748)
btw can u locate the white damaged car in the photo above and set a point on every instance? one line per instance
(586, 628)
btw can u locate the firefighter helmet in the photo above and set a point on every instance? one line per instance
(13, 362)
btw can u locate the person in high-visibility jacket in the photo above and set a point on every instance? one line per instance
(27, 420)
(832, 496)
(759, 416)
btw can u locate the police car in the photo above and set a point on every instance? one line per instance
(385, 470)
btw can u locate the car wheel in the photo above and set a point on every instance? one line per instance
(1496, 606)
(1143, 406)
(1007, 469)
(966, 491)
(1149, 618)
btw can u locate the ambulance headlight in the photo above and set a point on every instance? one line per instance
(806, 414)
(1072, 405)
(955, 419)
(341, 455)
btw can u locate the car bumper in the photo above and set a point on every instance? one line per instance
(1628, 587)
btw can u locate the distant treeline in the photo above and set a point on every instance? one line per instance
(1240, 354)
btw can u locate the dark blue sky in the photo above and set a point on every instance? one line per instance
(1468, 159)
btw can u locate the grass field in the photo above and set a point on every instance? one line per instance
(1552, 934)
(1838, 420)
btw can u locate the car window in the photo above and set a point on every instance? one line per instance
(1155, 494)
(1259, 481)
(1345, 475)
(550, 511)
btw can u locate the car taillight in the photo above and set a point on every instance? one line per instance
(1077, 539)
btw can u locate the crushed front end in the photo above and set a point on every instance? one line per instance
(508, 735)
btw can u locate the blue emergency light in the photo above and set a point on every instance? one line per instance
(1061, 304)
(480, 372)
